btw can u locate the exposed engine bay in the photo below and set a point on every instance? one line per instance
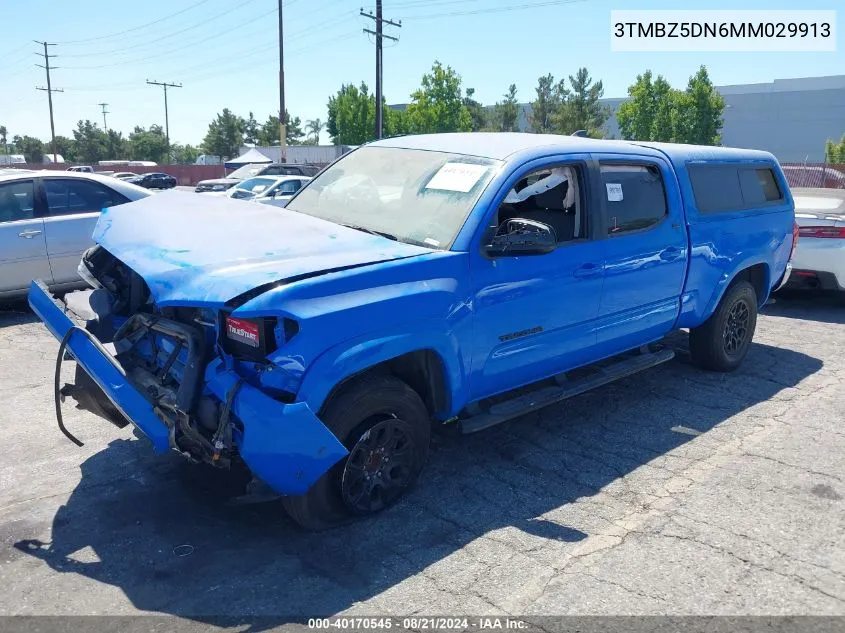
(164, 354)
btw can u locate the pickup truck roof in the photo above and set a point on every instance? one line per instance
(507, 145)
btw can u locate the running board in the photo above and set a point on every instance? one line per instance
(533, 401)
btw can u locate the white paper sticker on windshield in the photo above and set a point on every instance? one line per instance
(614, 191)
(459, 177)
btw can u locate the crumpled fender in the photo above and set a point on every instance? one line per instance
(360, 353)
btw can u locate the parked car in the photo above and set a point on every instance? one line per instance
(819, 261)
(421, 280)
(123, 175)
(46, 222)
(273, 190)
(249, 171)
(154, 180)
(86, 169)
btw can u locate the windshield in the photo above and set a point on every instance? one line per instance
(246, 171)
(417, 196)
(251, 187)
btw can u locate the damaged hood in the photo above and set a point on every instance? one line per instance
(194, 250)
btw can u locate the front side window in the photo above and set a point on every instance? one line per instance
(17, 201)
(551, 196)
(636, 197)
(415, 196)
(65, 196)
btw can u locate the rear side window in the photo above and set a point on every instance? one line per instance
(67, 196)
(725, 188)
(636, 198)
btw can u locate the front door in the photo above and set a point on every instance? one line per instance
(534, 315)
(646, 251)
(23, 251)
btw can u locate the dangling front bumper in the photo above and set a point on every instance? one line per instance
(284, 445)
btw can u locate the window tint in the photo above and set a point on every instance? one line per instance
(635, 197)
(289, 186)
(733, 188)
(16, 201)
(79, 196)
(281, 170)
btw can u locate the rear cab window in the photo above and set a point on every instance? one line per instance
(724, 188)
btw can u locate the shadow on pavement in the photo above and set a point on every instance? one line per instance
(15, 313)
(135, 511)
(808, 305)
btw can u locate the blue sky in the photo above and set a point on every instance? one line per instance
(225, 53)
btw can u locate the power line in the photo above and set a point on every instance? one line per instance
(165, 85)
(282, 111)
(105, 112)
(380, 21)
(169, 35)
(135, 28)
(516, 7)
(50, 90)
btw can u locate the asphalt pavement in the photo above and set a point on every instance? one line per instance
(675, 491)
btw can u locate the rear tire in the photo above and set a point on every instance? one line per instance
(721, 343)
(386, 428)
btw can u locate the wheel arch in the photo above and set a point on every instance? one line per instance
(428, 362)
(756, 272)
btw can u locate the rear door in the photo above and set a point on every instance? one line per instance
(23, 249)
(73, 206)
(646, 251)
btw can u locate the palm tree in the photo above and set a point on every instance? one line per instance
(313, 128)
(3, 133)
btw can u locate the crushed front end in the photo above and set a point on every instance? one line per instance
(194, 378)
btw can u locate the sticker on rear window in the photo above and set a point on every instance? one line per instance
(245, 332)
(460, 177)
(614, 191)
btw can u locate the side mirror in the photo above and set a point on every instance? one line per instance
(519, 236)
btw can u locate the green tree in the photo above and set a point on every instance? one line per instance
(636, 115)
(546, 106)
(506, 112)
(184, 154)
(396, 122)
(437, 106)
(313, 129)
(117, 147)
(225, 135)
(700, 111)
(148, 144)
(477, 115)
(90, 142)
(835, 152)
(268, 134)
(66, 147)
(581, 110)
(31, 148)
(251, 130)
(666, 103)
(3, 133)
(352, 115)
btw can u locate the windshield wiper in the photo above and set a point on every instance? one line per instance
(389, 236)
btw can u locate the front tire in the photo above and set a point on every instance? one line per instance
(721, 343)
(386, 428)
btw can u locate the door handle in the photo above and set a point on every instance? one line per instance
(29, 234)
(587, 270)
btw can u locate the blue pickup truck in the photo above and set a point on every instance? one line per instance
(455, 280)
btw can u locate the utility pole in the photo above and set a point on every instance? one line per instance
(50, 90)
(105, 112)
(283, 134)
(379, 34)
(165, 85)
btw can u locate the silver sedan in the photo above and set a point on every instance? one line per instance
(46, 222)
